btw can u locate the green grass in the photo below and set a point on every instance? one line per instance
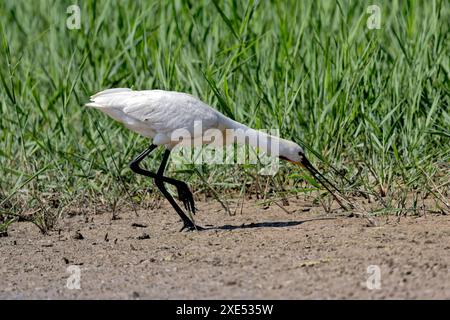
(374, 103)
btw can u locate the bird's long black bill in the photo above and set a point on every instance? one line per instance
(324, 182)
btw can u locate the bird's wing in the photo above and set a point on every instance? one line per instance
(162, 111)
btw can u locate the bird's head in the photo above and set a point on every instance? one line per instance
(295, 154)
(292, 152)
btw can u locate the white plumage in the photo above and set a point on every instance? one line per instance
(157, 114)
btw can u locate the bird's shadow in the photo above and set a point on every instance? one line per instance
(268, 224)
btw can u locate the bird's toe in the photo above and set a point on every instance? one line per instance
(188, 227)
(185, 196)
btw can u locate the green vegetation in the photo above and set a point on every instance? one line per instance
(373, 103)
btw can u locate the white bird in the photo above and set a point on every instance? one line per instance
(159, 114)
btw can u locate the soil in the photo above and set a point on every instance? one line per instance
(257, 254)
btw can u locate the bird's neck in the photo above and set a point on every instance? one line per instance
(266, 140)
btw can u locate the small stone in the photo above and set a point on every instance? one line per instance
(138, 225)
(78, 235)
(143, 236)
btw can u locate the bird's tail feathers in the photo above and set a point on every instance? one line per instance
(93, 105)
(110, 91)
(104, 94)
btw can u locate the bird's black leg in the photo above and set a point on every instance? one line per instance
(134, 165)
(184, 194)
(159, 182)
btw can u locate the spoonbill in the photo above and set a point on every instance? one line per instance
(157, 114)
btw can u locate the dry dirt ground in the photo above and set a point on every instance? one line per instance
(259, 254)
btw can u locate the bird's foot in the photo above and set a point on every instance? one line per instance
(185, 196)
(189, 226)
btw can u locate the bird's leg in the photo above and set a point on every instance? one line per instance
(134, 165)
(159, 182)
(186, 197)
(184, 194)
